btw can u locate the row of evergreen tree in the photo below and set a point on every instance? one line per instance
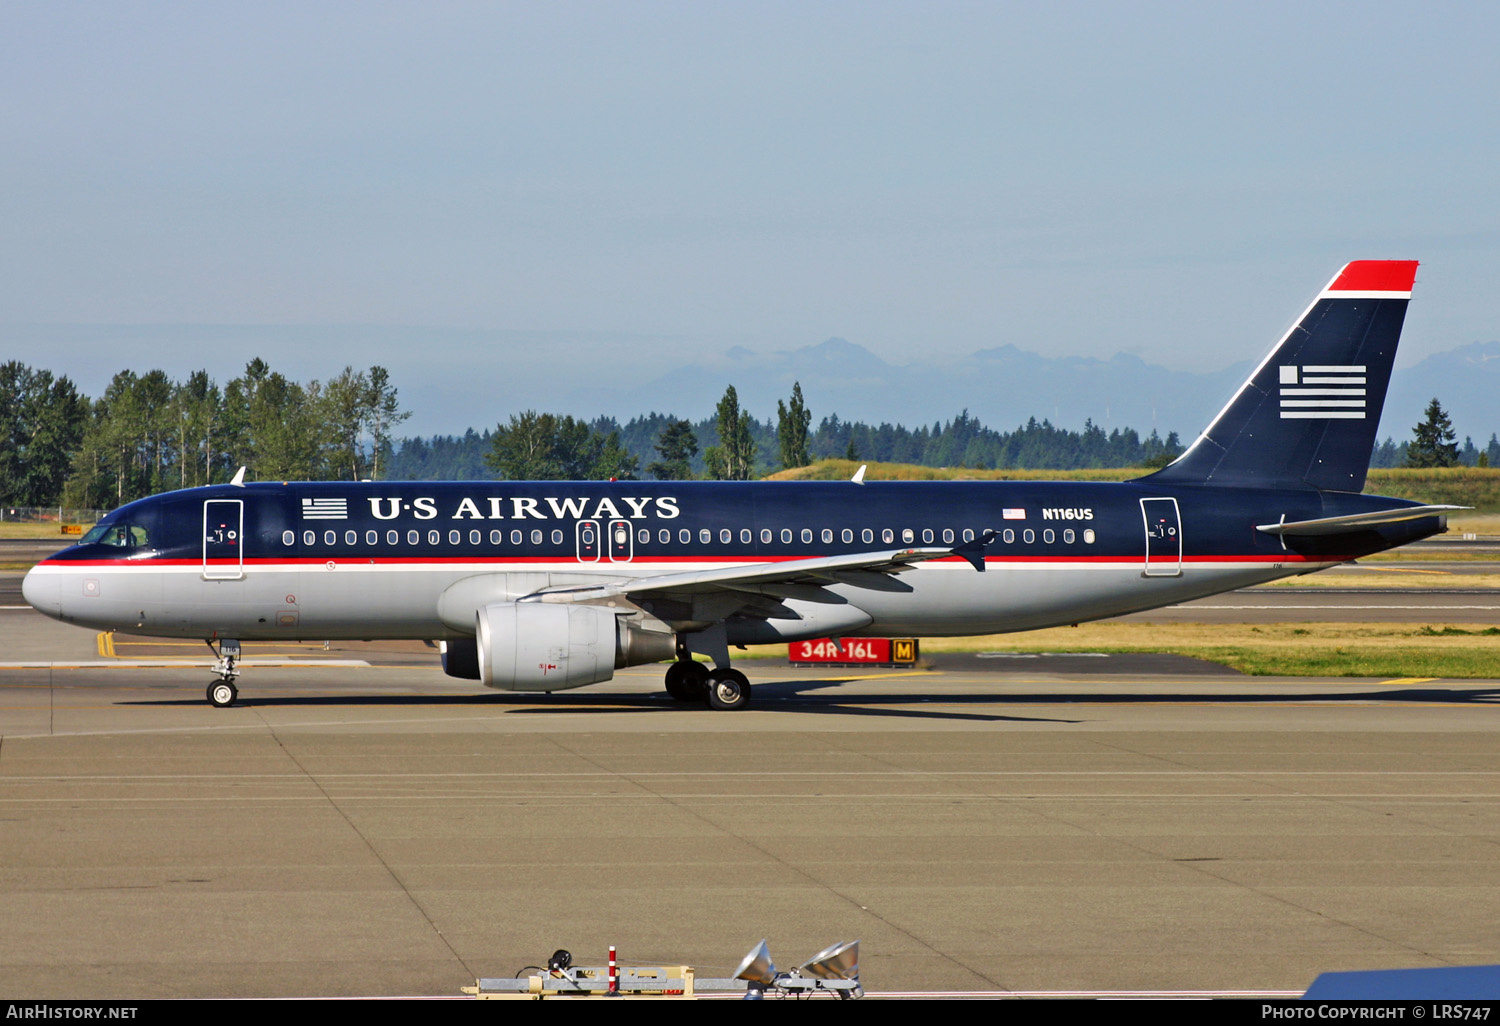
(733, 445)
(1435, 444)
(148, 433)
(1042, 446)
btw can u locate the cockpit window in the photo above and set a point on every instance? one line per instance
(119, 534)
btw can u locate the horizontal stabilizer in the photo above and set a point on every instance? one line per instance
(1357, 521)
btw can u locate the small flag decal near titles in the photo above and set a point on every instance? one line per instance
(1327, 391)
(325, 509)
(1013, 514)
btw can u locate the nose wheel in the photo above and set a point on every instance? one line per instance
(222, 692)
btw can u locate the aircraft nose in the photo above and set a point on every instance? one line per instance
(43, 589)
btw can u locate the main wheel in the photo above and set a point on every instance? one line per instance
(222, 694)
(728, 689)
(687, 681)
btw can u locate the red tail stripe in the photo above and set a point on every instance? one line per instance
(1376, 276)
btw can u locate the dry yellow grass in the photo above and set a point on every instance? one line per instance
(1283, 649)
(842, 470)
(1411, 555)
(1389, 577)
(1481, 524)
(1384, 650)
(1118, 635)
(46, 530)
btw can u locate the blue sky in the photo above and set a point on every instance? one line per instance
(602, 191)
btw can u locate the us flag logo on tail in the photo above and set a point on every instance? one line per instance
(1322, 391)
(325, 509)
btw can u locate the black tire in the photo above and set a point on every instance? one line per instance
(687, 681)
(728, 689)
(222, 694)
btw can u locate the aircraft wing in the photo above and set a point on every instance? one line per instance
(799, 577)
(1356, 521)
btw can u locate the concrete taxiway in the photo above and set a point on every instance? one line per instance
(987, 826)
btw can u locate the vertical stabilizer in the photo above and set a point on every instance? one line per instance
(1308, 414)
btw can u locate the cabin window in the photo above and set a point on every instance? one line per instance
(968, 534)
(867, 536)
(557, 537)
(497, 537)
(536, 537)
(475, 537)
(726, 536)
(351, 537)
(434, 538)
(1009, 536)
(330, 537)
(1068, 536)
(888, 536)
(413, 538)
(393, 537)
(1028, 536)
(786, 536)
(1088, 536)
(806, 536)
(746, 536)
(1048, 536)
(765, 536)
(454, 537)
(705, 536)
(516, 537)
(848, 536)
(309, 538)
(827, 536)
(685, 536)
(372, 537)
(908, 536)
(643, 536)
(926, 535)
(288, 537)
(664, 536)
(948, 536)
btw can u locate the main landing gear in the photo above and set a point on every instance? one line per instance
(222, 692)
(722, 688)
(690, 681)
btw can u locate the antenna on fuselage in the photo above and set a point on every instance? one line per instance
(859, 475)
(239, 478)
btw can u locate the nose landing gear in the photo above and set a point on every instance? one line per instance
(222, 693)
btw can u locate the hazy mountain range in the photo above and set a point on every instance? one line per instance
(452, 379)
(1006, 386)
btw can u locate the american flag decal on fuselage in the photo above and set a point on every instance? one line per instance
(325, 509)
(1326, 391)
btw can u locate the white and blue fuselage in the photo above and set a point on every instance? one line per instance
(548, 585)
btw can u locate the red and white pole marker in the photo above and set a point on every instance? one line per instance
(614, 972)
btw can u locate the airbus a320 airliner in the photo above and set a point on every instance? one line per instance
(541, 586)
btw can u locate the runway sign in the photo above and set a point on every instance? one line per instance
(853, 652)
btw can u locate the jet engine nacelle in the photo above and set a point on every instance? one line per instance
(538, 646)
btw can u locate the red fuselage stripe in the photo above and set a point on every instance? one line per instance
(1286, 557)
